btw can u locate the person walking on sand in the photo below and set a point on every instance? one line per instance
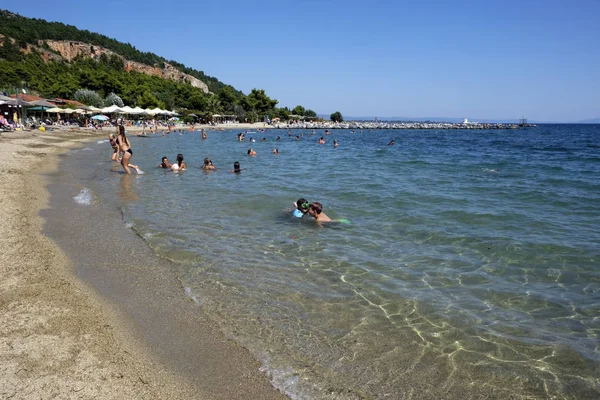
(125, 148)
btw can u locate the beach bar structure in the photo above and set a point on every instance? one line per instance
(224, 119)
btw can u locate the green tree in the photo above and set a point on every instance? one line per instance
(113, 99)
(262, 103)
(337, 117)
(310, 113)
(213, 105)
(228, 98)
(89, 97)
(298, 110)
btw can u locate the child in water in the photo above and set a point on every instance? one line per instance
(301, 207)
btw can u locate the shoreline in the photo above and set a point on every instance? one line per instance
(63, 336)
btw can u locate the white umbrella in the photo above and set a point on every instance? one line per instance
(68, 111)
(138, 110)
(80, 111)
(54, 110)
(128, 110)
(112, 109)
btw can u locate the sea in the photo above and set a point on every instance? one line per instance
(460, 263)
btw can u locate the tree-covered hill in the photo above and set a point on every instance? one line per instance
(26, 60)
(31, 30)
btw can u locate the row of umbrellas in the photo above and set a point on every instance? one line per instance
(112, 110)
(44, 105)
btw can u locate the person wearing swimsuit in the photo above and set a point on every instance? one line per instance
(115, 147)
(126, 149)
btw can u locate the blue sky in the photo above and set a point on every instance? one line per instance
(475, 59)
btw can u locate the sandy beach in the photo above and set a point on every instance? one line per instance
(62, 337)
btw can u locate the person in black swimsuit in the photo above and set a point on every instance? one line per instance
(125, 147)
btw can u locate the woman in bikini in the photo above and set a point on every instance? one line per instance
(125, 147)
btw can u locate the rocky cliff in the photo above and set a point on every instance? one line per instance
(70, 50)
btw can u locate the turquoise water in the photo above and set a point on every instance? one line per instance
(470, 266)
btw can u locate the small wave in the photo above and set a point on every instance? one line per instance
(87, 149)
(490, 170)
(84, 197)
(129, 224)
(188, 293)
(102, 141)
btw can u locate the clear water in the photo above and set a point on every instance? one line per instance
(470, 266)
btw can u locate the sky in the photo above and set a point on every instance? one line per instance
(461, 59)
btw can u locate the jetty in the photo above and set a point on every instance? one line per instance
(363, 125)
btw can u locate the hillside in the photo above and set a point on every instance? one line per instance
(33, 31)
(57, 60)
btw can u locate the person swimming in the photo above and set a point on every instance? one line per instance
(335, 143)
(208, 165)
(251, 152)
(164, 163)
(301, 207)
(275, 151)
(236, 168)
(315, 209)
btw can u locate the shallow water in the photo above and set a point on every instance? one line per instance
(469, 266)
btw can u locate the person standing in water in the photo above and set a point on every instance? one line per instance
(180, 165)
(236, 168)
(115, 147)
(204, 136)
(125, 148)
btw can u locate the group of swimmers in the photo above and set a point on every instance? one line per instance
(180, 165)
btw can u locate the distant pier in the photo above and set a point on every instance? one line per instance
(394, 125)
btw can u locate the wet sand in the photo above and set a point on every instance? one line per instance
(77, 321)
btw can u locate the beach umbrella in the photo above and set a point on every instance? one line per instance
(68, 111)
(42, 103)
(54, 110)
(94, 109)
(80, 111)
(112, 109)
(128, 110)
(100, 117)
